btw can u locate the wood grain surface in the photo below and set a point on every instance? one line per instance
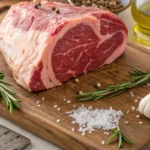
(10, 140)
(42, 120)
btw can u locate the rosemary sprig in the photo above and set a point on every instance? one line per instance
(121, 138)
(138, 78)
(7, 95)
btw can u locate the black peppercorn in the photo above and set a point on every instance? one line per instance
(53, 8)
(36, 6)
(57, 11)
(39, 4)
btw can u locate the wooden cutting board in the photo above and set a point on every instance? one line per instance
(42, 120)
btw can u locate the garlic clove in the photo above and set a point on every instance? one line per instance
(143, 103)
(147, 110)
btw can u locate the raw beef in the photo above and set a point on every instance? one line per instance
(44, 48)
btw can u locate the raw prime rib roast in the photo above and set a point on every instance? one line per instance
(44, 48)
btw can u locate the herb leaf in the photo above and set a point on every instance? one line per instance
(121, 139)
(7, 95)
(138, 78)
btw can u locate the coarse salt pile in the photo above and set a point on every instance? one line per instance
(92, 119)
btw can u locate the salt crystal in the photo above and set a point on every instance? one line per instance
(148, 84)
(83, 133)
(64, 99)
(140, 122)
(128, 111)
(103, 142)
(126, 122)
(68, 101)
(90, 120)
(136, 100)
(73, 122)
(90, 107)
(43, 98)
(58, 109)
(38, 102)
(39, 105)
(138, 116)
(58, 120)
(90, 132)
(73, 129)
(133, 108)
(106, 133)
(139, 97)
(55, 106)
(80, 129)
(74, 105)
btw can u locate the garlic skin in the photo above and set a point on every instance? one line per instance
(144, 106)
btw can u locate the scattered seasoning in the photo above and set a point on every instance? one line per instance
(72, 129)
(38, 102)
(126, 122)
(132, 94)
(55, 106)
(138, 116)
(38, 105)
(90, 132)
(93, 119)
(39, 4)
(58, 120)
(133, 108)
(68, 101)
(67, 112)
(76, 80)
(36, 6)
(74, 105)
(136, 100)
(64, 99)
(90, 107)
(140, 122)
(103, 142)
(54, 8)
(80, 92)
(57, 11)
(148, 84)
(106, 133)
(43, 98)
(83, 133)
(139, 97)
(128, 111)
(73, 122)
(58, 109)
(102, 4)
(98, 85)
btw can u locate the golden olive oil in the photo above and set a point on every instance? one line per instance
(142, 16)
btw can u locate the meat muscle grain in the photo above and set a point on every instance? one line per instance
(44, 49)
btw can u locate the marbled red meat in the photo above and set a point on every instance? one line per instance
(44, 49)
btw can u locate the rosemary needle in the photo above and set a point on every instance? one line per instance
(121, 139)
(138, 78)
(7, 95)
